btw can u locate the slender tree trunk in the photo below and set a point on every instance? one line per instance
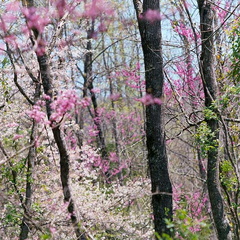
(113, 107)
(62, 148)
(211, 92)
(189, 81)
(25, 227)
(88, 85)
(157, 157)
(114, 119)
(47, 84)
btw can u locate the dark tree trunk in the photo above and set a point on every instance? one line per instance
(47, 84)
(157, 157)
(207, 69)
(62, 148)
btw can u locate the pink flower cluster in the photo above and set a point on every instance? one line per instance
(36, 113)
(186, 31)
(110, 165)
(151, 16)
(9, 16)
(115, 97)
(131, 76)
(222, 11)
(148, 99)
(36, 20)
(196, 206)
(66, 102)
(97, 8)
(17, 136)
(61, 7)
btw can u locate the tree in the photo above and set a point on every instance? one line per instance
(150, 30)
(74, 70)
(207, 69)
(46, 79)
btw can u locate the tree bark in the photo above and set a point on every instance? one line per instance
(47, 84)
(62, 148)
(157, 158)
(207, 69)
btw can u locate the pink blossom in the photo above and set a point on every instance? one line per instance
(3, 26)
(168, 141)
(131, 77)
(195, 228)
(10, 39)
(65, 102)
(36, 114)
(113, 157)
(184, 30)
(52, 230)
(13, 6)
(97, 8)
(85, 102)
(36, 142)
(92, 133)
(102, 27)
(5, 21)
(105, 166)
(8, 18)
(148, 99)
(115, 97)
(222, 11)
(61, 7)
(151, 16)
(46, 97)
(40, 47)
(40, 103)
(117, 170)
(35, 20)
(17, 136)
(138, 66)
(95, 90)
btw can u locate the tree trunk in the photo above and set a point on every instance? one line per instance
(207, 69)
(47, 84)
(88, 85)
(62, 148)
(30, 171)
(157, 158)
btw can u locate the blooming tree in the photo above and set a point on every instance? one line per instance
(79, 136)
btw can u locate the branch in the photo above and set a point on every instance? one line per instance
(60, 25)
(30, 74)
(15, 78)
(8, 158)
(104, 50)
(231, 120)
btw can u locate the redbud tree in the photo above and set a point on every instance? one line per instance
(86, 103)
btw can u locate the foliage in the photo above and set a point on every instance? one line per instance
(205, 136)
(190, 220)
(235, 57)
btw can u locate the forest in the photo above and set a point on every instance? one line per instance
(119, 120)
